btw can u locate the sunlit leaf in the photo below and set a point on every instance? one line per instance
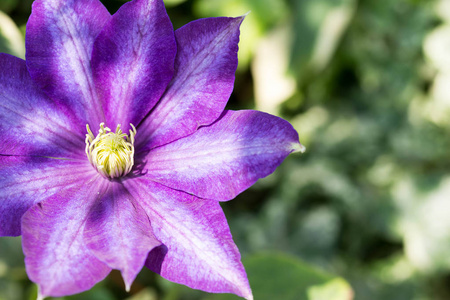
(335, 289)
(11, 39)
(272, 83)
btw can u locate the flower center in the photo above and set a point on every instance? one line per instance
(111, 153)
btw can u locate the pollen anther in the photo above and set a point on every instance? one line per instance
(111, 153)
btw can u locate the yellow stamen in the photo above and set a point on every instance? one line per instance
(111, 153)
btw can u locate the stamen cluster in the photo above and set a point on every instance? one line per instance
(111, 153)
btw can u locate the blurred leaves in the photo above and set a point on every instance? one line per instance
(173, 2)
(12, 270)
(426, 240)
(319, 26)
(8, 5)
(263, 15)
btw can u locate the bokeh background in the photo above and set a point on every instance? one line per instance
(365, 213)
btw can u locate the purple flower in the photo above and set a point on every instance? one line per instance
(87, 198)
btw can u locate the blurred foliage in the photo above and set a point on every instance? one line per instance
(367, 85)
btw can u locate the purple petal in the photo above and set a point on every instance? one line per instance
(204, 76)
(30, 124)
(56, 256)
(221, 160)
(200, 250)
(25, 181)
(118, 232)
(133, 60)
(59, 40)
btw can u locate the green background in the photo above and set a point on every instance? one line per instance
(364, 213)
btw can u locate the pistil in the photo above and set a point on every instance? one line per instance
(111, 153)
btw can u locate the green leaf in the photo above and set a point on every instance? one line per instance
(279, 276)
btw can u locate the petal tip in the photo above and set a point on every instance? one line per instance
(241, 18)
(297, 147)
(128, 281)
(127, 287)
(39, 295)
(245, 290)
(248, 295)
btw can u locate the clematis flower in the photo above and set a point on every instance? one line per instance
(116, 148)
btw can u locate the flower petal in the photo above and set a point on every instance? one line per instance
(200, 250)
(222, 160)
(30, 124)
(133, 61)
(204, 76)
(118, 232)
(25, 181)
(59, 39)
(56, 257)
